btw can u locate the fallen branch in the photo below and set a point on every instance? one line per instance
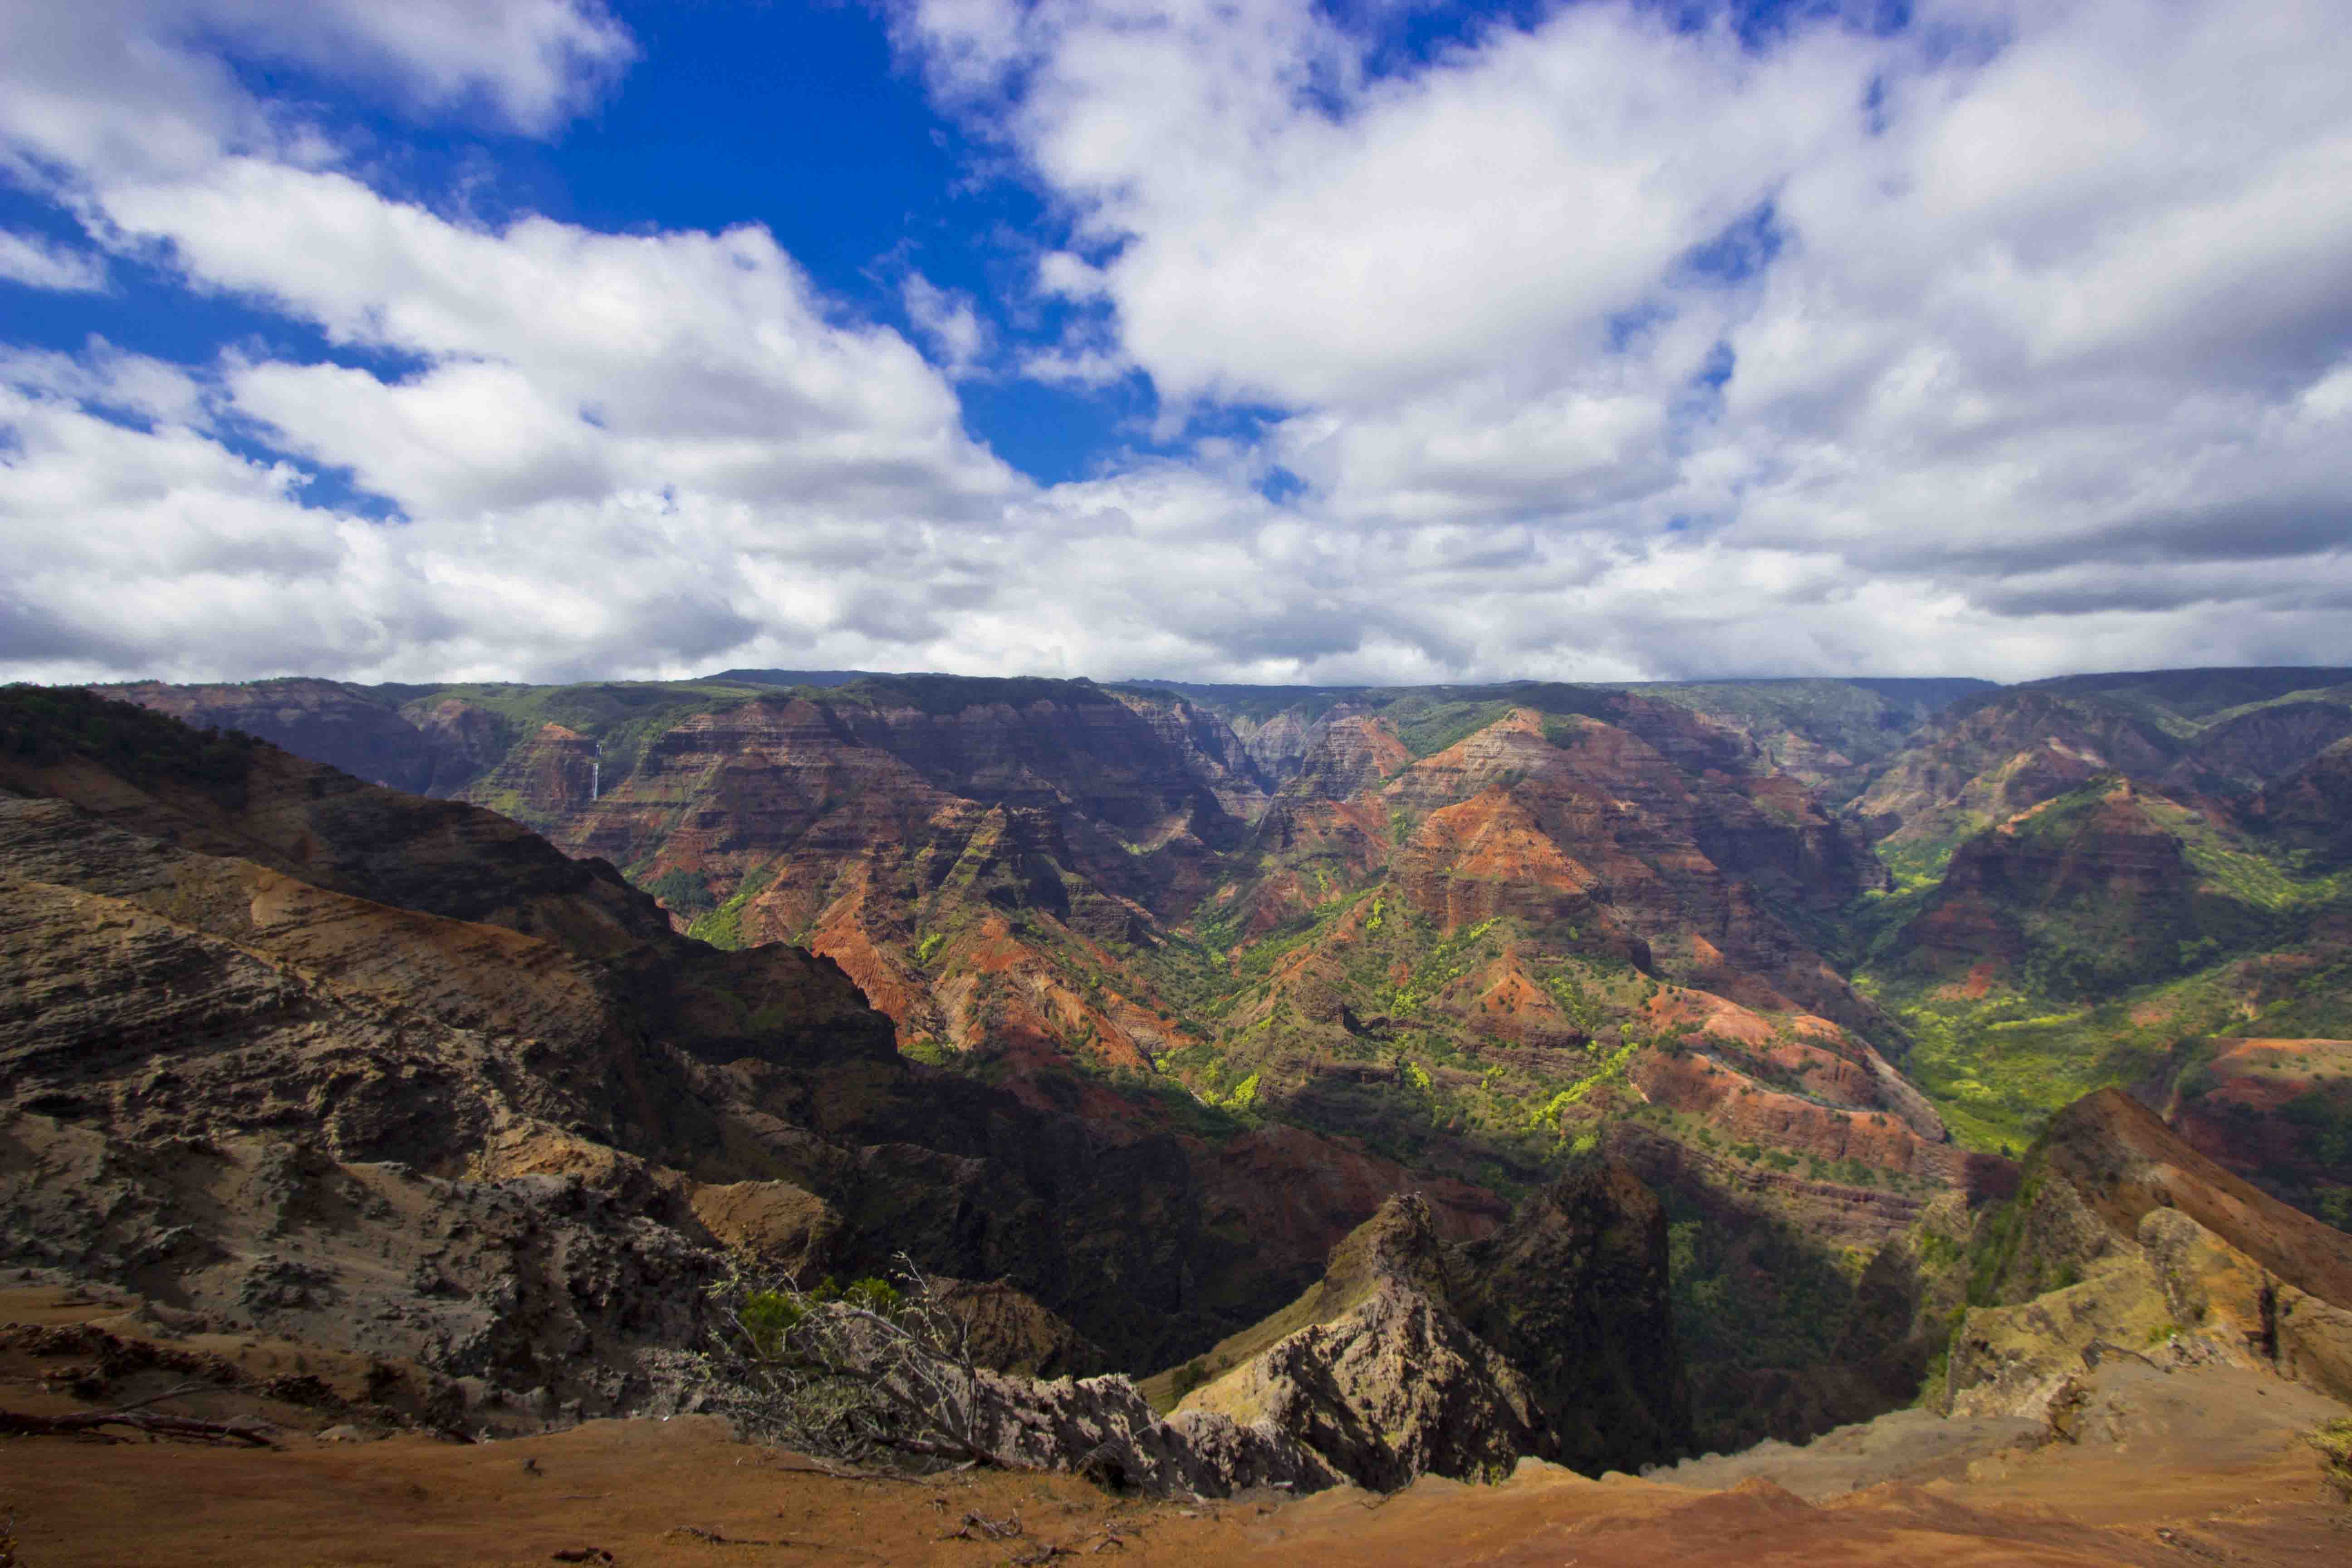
(86, 1423)
(992, 1529)
(712, 1538)
(819, 1468)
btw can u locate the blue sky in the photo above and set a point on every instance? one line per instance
(1242, 341)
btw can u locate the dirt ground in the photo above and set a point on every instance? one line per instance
(2183, 1469)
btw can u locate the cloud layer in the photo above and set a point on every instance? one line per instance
(2010, 342)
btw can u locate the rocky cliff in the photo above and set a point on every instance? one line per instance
(227, 962)
(1552, 1338)
(1462, 933)
(2195, 734)
(2124, 1241)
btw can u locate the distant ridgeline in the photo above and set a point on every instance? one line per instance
(1811, 955)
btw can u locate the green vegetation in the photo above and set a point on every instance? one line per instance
(1749, 1293)
(1427, 728)
(723, 927)
(42, 726)
(943, 695)
(2334, 1441)
(680, 890)
(2113, 977)
(622, 716)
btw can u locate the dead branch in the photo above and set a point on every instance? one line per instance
(1005, 1528)
(854, 1375)
(712, 1538)
(88, 1422)
(182, 1390)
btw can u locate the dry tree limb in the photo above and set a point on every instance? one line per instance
(1005, 1528)
(712, 1538)
(88, 1422)
(176, 1392)
(853, 1374)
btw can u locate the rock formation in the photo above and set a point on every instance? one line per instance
(1551, 1339)
(2124, 1241)
(255, 1004)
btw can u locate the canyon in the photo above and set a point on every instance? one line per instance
(1238, 1039)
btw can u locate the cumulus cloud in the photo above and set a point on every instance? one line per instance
(948, 322)
(1619, 344)
(37, 264)
(1986, 313)
(107, 87)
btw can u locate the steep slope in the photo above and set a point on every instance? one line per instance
(358, 729)
(1574, 929)
(1552, 1338)
(2115, 935)
(976, 855)
(2189, 733)
(2276, 1111)
(263, 949)
(2124, 1235)
(1468, 932)
(2308, 813)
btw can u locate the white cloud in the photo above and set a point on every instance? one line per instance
(2053, 304)
(101, 89)
(2040, 362)
(37, 264)
(948, 322)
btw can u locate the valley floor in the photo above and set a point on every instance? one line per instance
(2204, 1466)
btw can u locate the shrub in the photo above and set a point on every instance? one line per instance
(2334, 1441)
(855, 1373)
(1189, 1376)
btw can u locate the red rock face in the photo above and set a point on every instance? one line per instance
(2276, 1112)
(1985, 762)
(967, 869)
(1582, 824)
(1741, 1109)
(2125, 1162)
(545, 777)
(2311, 808)
(2114, 861)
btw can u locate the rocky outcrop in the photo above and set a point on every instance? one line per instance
(1574, 1292)
(210, 938)
(1104, 1429)
(2125, 1241)
(1376, 1373)
(1550, 1339)
(2021, 1360)
(518, 1300)
(2126, 1163)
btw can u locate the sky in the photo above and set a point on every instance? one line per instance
(1222, 340)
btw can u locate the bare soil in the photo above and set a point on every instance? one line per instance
(2201, 1466)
